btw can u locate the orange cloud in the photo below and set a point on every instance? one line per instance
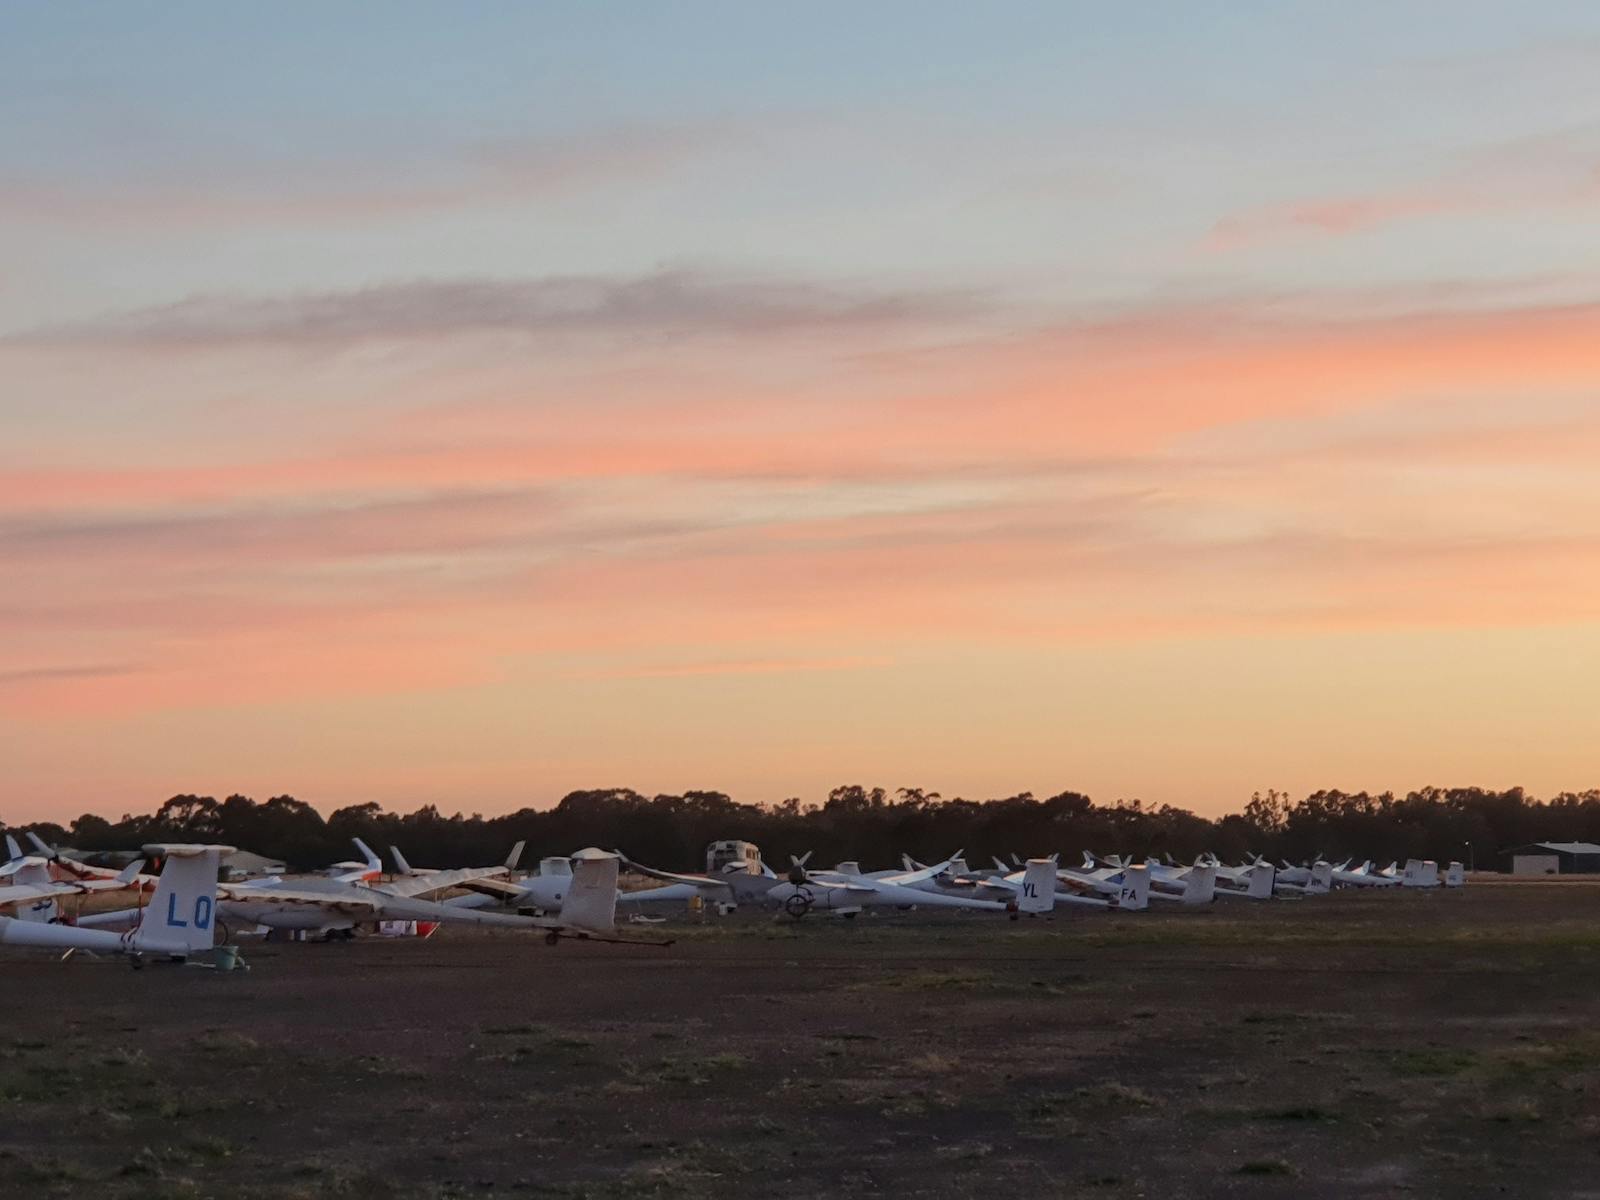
(1544, 171)
(505, 556)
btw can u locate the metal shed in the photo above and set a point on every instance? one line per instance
(1555, 858)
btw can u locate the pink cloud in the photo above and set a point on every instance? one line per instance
(1173, 474)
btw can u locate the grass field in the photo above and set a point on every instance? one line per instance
(1378, 1044)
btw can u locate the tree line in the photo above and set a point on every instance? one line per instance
(872, 825)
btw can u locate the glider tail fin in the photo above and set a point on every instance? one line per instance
(1262, 876)
(1038, 893)
(183, 907)
(591, 900)
(1200, 885)
(1135, 893)
(374, 863)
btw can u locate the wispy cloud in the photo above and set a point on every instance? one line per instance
(29, 675)
(1539, 172)
(666, 304)
(748, 667)
(1248, 464)
(172, 185)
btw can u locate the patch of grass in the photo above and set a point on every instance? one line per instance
(1273, 1018)
(380, 1066)
(1433, 1060)
(905, 1104)
(1045, 1107)
(684, 1170)
(323, 1178)
(964, 1152)
(31, 1085)
(1514, 1112)
(228, 1044)
(172, 1106)
(663, 1179)
(210, 1147)
(1265, 1166)
(1298, 1113)
(549, 1050)
(676, 1070)
(930, 981)
(1115, 1095)
(1578, 1053)
(153, 1161)
(46, 1171)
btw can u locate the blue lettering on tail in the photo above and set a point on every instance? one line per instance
(172, 912)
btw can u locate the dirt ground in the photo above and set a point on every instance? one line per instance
(1377, 1044)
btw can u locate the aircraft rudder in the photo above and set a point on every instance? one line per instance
(183, 908)
(1200, 886)
(1038, 894)
(591, 899)
(1135, 893)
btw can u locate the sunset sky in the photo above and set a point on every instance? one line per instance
(462, 404)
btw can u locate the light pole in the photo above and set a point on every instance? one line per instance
(1470, 865)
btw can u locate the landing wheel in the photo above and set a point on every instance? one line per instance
(552, 938)
(136, 961)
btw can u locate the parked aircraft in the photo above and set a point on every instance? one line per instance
(848, 891)
(182, 913)
(1420, 873)
(406, 868)
(844, 891)
(37, 898)
(80, 870)
(735, 883)
(1362, 876)
(1255, 882)
(543, 891)
(335, 905)
(1132, 888)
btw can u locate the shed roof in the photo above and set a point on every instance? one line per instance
(1566, 847)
